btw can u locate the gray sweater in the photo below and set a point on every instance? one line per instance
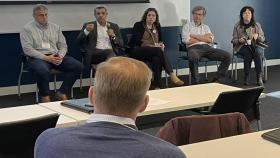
(33, 35)
(102, 140)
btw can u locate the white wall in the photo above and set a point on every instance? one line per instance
(72, 16)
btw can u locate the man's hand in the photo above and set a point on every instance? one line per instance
(202, 38)
(54, 59)
(89, 27)
(111, 33)
(192, 41)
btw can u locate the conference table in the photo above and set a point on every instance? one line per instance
(169, 100)
(14, 114)
(250, 145)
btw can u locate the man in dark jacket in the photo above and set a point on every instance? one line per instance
(99, 39)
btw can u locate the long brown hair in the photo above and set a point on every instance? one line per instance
(144, 17)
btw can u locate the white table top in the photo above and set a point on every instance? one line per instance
(187, 97)
(179, 98)
(31, 111)
(250, 145)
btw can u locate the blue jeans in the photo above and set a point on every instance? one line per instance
(249, 54)
(69, 66)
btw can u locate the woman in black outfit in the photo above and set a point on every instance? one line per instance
(147, 46)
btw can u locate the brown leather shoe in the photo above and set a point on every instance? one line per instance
(179, 83)
(60, 96)
(176, 80)
(45, 99)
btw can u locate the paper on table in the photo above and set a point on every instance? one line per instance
(156, 101)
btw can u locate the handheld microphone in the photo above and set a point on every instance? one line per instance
(108, 25)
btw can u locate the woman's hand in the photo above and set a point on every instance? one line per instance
(255, 36)
(161, 45)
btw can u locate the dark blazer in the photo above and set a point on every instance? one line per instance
(137, 34)
(88, 43)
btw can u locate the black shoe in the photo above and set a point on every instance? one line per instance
(215, 79)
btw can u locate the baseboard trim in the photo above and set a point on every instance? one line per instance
(185, 71)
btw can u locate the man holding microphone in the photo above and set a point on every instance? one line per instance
(99, 39)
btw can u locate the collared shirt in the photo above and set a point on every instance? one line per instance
(103, 39)
(38, 40)
(111, 118)
(191, 28)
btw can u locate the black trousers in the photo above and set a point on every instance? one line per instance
(249, 54)
(196, 52)
(156, 58)
(97, 56)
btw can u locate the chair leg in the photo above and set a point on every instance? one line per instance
(72, 94)
(81, 82)
(235, 71)
(190, 77)
(166, 80)
(90, 77)
(54, 83)
(206, 76)
(19, 81)
(231, 75)
(259, 125)
(265, 70)
(177, 65)
(37, 94)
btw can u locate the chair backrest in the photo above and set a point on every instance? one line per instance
(17, 139)
(244, 101)
(197, 128)
(182, 46)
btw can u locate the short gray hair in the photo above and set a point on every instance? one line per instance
(39, 7)
(198, 8)
(99, 7)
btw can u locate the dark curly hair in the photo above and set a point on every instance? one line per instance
(144, 17)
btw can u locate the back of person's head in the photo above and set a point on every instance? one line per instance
(121, 85)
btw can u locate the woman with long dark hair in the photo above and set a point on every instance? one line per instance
(146, 43)
(246, 34)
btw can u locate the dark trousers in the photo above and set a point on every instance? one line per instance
(97, 56)
(156, 58)
(249, 54)
(196, 52)
(69, 66)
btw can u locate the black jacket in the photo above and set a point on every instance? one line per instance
(89, 42)
(137, 34)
